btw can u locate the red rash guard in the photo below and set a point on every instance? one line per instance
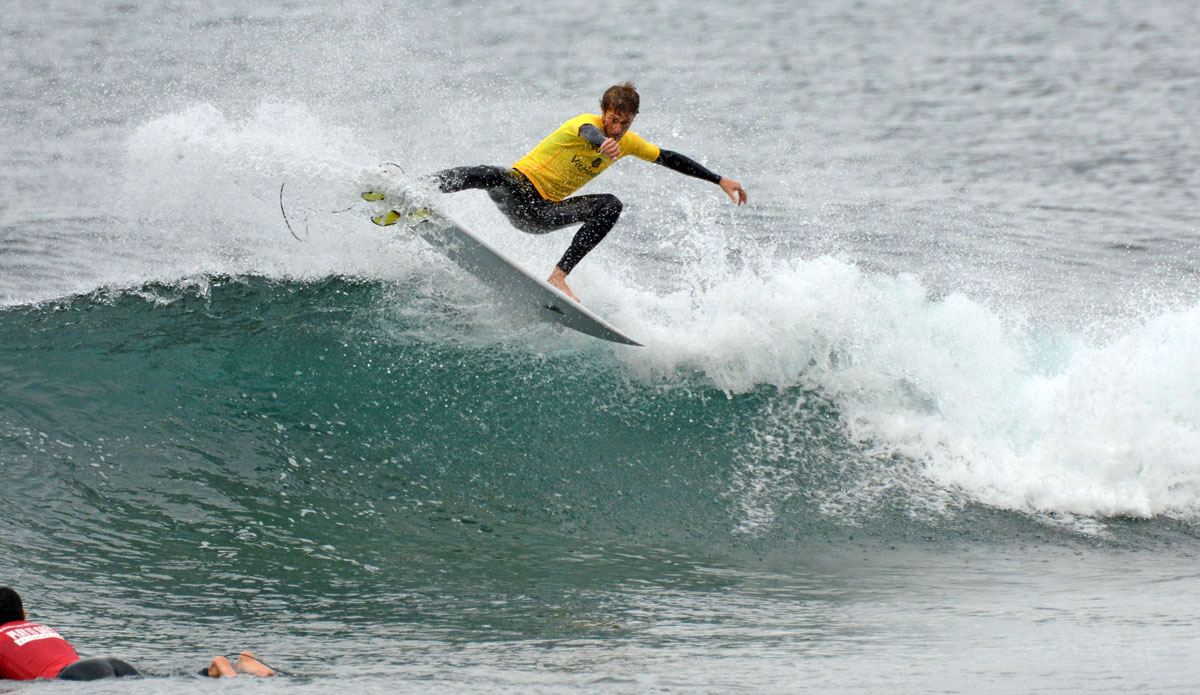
(29, 650)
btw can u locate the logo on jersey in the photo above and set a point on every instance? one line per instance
(581, 164)
(30, 633)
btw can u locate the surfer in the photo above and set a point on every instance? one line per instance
(533, 193)
(30, 650)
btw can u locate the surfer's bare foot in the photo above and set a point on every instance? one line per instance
(219, 667)
(246, 663)
(558, 279)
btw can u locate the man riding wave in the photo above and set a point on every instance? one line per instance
(534, 194)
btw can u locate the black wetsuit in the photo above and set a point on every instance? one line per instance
(95, 669)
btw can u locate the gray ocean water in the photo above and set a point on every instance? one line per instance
(923, 417)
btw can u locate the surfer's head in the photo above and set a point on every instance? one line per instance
(11, 608)
(621, 97)
(618, 107)
(615, 123)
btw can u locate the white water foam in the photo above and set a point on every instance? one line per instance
(990, 409)
(1115, 432)
(206, 190)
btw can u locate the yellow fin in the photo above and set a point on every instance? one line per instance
(386, 220)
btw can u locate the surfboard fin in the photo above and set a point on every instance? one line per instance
(392, 217)
(388, 219)
(373, 196)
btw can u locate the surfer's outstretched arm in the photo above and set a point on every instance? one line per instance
(686, 165)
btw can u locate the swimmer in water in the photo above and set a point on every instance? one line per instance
(30, 650)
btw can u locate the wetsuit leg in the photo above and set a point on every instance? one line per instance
(529, 212)
(597, 212)
(462, 178)
(94, 669)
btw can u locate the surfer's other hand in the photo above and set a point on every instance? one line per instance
(734, 190)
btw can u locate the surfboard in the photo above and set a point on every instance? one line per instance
(508, 281)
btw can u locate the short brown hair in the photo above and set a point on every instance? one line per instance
(621, 98)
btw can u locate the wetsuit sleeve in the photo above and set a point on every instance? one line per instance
(685, 165)
(592, 134)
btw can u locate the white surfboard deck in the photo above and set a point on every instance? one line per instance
(509, 280)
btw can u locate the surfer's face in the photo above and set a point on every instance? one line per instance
(616, 123)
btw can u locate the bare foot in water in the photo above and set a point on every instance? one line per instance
(219, 667)
(246, 663)
(558, 279)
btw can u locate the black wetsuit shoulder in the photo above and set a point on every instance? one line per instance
(592, 134)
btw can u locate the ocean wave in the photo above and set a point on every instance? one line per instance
(798, 390)
(859, 399)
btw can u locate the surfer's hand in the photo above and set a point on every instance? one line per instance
(734, 190)
(609, 148)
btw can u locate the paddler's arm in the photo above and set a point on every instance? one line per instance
(686, 165)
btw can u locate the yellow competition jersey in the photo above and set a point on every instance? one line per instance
(563, 162)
